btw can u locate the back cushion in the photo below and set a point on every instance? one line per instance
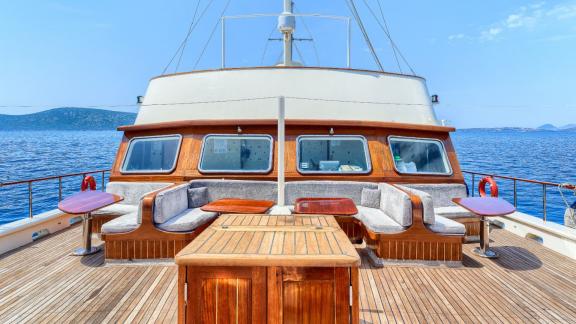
(427, 204)
(442, 193)
(170, 203)
(396, 204)
(134, 191)
(326, 189)
(218, 189)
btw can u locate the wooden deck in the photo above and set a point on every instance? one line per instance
(43, 283)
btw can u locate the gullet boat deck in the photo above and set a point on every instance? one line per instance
(43, 283)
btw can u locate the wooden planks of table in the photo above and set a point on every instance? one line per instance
(325, 206)
(238, 206)
(269, 269)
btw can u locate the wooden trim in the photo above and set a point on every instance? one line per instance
(288, 68)
(289, 122)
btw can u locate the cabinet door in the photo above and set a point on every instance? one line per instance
(308, 295)
(226, 295)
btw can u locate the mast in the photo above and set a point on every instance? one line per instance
(287, 25)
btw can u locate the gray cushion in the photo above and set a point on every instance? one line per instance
(370, 198)
(170, 203)
(188, 220)
(442, 193)
(453, 212)
(122, 224)
(218, 189)
(377, 221)
(116, 210)
(447, 226)
(197, 197)
(325, 189)
(426, 204)
(396, 204)
(133, 191)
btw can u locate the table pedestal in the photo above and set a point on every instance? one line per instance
(87, 249)
(484, 249)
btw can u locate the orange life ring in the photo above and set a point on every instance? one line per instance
(493, 187)
(88, 182)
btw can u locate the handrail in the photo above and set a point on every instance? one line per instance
(544, 184)
(59, 177)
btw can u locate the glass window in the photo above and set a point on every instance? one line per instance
(419, 156)
(333, 154)
(156, 154)
(236, 154)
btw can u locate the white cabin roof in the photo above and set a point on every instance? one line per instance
(311, 93)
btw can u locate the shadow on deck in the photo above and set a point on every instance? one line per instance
(42, 282)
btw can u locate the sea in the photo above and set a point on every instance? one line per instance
(546, 156)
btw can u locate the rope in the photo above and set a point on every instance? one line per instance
(354, 12)
(212, 34)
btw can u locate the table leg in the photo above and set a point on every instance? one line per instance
(484, 249)
(87, 248)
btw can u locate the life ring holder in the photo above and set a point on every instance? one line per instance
(88, 183)
(493, 187)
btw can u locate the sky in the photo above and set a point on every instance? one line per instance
(493, 63)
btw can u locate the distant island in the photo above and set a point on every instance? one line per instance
(543, 128)
(67, 119)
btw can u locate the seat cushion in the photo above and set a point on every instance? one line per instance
(444, 225)
(453, 212)
(326, 189)
(377, 221)
(132, 192)
(170, 202)
(396, 204)
(242, 189)
(427, 203)
(188, 220)
(197, 197)
(122, 224)
(370, 198)
(116, 210)
(442, 193)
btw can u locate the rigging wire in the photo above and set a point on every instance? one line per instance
(299, 54)
(266, 45)
(311, 36)
(354, 12)
(212, 34)
(187, 36)
(389, 37)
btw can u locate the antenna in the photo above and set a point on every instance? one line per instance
(287, 25)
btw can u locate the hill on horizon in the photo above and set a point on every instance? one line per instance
(68, 118)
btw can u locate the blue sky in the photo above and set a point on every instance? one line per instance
(493, 63)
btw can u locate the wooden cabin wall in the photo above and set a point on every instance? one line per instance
(381, 159)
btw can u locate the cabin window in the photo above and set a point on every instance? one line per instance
(236, 154)
(419, 156)
(339, 154)
(155, 154)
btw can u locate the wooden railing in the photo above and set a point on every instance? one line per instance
(29, 182)
(544, 184)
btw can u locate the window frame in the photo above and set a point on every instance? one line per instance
(128, 150)
(421, 139)
(362, 138)
(270, 163)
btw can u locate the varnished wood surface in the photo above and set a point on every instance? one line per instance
(266, 240)
(486, 206)
(88, 201)
(326, 206)
(42, 283)
(238, 206)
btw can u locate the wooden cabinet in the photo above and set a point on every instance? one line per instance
(282, 270)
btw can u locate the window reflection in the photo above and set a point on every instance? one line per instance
(419, 156)
(242, 154)
(152, 154)
(333, 154)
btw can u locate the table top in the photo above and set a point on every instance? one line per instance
(238, 206)
(486, 206)
(87, 202)
(330, 206)
(269, 240)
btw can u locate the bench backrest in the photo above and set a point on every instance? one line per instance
(326, 189)
(242, 189)
(442, 193)
(134, 191)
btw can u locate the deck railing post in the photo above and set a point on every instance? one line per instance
(544, 200)
(59, 189)
(515, 195)
(472, 184)
(103, 176)
(30, 199)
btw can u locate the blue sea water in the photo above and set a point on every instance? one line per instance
(547, 156)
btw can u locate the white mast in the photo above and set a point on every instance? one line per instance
(287, 25)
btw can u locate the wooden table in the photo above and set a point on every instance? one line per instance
(269, 269)
(485, 207)
(326, 206)
(85, 203)
(238, 206)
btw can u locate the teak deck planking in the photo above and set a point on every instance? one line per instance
(43, 283)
